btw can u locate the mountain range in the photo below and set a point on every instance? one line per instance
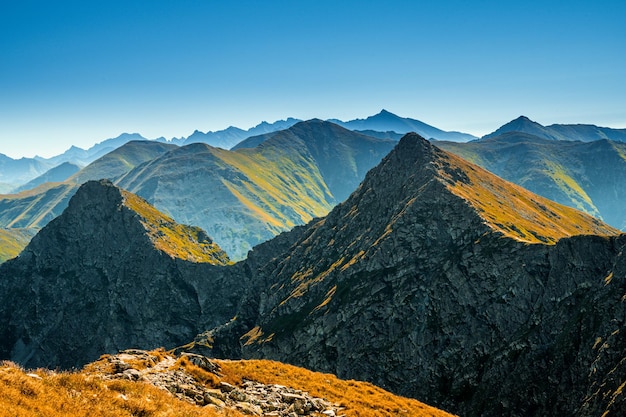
(241, 197)
(386, 121)
(440, 280)
(587, 176)
(564, 132)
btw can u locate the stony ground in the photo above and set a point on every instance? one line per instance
(170, 373)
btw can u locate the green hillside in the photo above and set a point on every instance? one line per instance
(589, 176)
(12, 241)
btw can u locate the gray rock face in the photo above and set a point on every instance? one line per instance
(407, 286)
(93, 282)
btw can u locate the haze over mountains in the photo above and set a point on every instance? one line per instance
(441, 280)
(586, 176)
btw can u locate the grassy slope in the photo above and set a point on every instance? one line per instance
(179, 241)
(585, 176)
(86, 393)
(241, 198)
(36, 207)
(12, 241)
(515, 211)
(121, 160)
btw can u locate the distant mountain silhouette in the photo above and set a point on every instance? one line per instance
(577, 132)
(15, 172)
(386, 121)
(231, 136)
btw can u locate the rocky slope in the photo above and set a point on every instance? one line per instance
(447, 284)
(109, 273)
(590, 176)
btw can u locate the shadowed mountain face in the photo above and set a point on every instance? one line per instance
(589, 176)
(427, 278)
(110, 273)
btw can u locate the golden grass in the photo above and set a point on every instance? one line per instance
(268, 188)
(85, 393)
(177, 240)
(360, 399)
(50, 394)
(515, 211)
(12, 242)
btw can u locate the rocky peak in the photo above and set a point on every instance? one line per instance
(111, 272)
(449, 285)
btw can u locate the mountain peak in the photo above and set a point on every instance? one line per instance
(101, 200)
(114, 265)
(523, 124)
(503, 207)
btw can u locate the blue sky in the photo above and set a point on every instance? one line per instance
(78, 72)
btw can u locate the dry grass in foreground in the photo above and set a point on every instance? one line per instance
(360, 399)
(92, 392)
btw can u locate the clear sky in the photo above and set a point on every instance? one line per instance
(78, 72)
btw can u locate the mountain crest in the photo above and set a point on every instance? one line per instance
(504, 207)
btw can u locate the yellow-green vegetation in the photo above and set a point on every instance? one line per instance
(360, 399)
(567, 184)
(13, 241)
(44, 393)
(267, 188)
(177, 240)
(35, 207)
(515, 211)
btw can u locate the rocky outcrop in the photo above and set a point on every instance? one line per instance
(109, 273)
(175, 375)
(431, 281)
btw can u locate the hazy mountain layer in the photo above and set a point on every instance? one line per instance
(246, 196)
(15, 172)
(231, 136)
(59, 173)
(36, 207)
(589, 176)
(386, 121)
(577, 132)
